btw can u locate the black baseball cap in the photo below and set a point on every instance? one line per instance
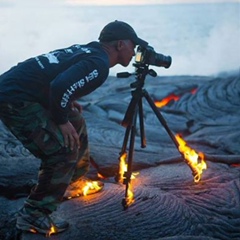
(119, 30)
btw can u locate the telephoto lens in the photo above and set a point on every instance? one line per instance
(162, 60)
(157, 59)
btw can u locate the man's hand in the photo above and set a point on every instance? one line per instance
(71, 138)
(76, 105)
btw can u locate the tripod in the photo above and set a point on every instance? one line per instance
(135, 108)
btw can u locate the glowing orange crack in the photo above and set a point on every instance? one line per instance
(171, 97)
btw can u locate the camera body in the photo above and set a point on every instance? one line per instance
(147, 55)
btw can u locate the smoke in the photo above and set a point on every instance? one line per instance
(218, 52)
(201, 42)
(211, 43)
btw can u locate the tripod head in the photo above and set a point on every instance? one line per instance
(141, 71)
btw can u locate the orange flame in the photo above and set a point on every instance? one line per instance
(100, 176)
(33, 230)
(86, 189)
(51, 231)
(130, 195)
(90, 186)
(122, 170)
(122, 167)
(193, 159)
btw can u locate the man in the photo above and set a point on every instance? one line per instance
(38, 105)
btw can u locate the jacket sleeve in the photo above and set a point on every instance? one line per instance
(78, 80)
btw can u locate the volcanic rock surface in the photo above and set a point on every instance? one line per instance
(168, 204)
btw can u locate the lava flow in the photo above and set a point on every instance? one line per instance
(171, 97)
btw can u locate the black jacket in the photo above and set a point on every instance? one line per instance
(57, 78)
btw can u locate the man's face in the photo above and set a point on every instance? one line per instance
(126, 52)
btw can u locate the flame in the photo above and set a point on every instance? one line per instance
(90, 186)
(193, 159)
(33, 230)
(122, 170)
(51, 231)
(122, 167)
(86, 189)
(100, 176)
(130, 195)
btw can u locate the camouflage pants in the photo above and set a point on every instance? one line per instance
(31, 124)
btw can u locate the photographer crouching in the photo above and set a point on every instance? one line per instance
(38, 105)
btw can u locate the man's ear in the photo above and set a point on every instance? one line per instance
(119, 45)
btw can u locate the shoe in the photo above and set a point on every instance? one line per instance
(37, 223)
(83, 187)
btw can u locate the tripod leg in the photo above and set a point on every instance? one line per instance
(128, 118)
(160, 117)
(127, 181)
(131, 149)
(125, 140)
(128, 122)
(142, 132)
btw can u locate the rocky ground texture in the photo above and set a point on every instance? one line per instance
(168, 204)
